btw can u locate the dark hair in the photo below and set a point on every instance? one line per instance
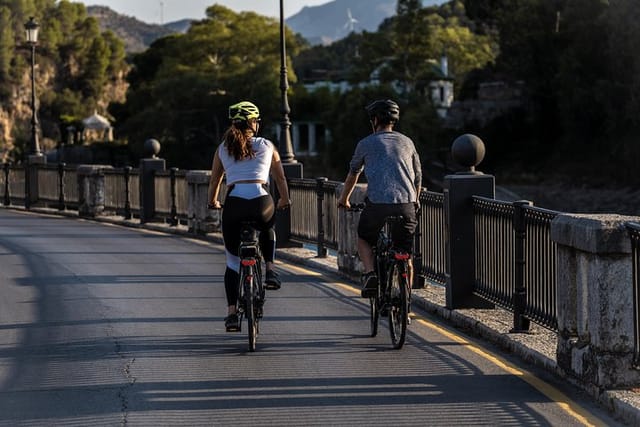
(237, 140)
(385, 110)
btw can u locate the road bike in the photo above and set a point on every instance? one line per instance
(251, 295)
(393, 295)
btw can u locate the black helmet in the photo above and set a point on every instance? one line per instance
(385, 110)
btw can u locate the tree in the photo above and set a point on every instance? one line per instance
(80, 63)
(181, 87)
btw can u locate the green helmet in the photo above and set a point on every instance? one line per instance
(243, 111)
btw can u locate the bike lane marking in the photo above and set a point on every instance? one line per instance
(558, 397)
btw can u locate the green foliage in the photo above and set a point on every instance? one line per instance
(181, 87)
(578, 63)
(78, 60)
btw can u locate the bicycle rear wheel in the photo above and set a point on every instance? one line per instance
(398, 305)
(251, 309)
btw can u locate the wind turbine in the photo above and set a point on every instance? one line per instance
(351, 22)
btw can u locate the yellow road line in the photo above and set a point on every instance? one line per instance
(559, 398)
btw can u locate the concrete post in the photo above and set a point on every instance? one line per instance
(468, 151)
(201, 220)
(595, 313)
(91, 190)
(148, 167)
(460, 237)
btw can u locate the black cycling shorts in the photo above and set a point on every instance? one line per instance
(372, 220)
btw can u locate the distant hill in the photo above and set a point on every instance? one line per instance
(335, 19)
(318, 24)
(137, 35)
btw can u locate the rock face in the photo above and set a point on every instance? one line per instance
(15, 113)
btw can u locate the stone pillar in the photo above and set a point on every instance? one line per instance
(148, 168)
(91, 190)
(595, 294)
(201, 220)
(460, 237)
(467, 151)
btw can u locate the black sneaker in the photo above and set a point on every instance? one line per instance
(272, 281)
(369, 285)
(231, 322)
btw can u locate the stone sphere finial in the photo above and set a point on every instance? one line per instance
(151, 148)
(468, 151)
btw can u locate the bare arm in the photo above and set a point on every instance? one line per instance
(281, 181)
(217, 172)
(349, 184)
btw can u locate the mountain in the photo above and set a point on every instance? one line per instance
(336, 19)
(137, 35)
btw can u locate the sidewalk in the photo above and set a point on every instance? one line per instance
(537, 348)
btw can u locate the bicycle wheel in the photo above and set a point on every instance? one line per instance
(250, 310)
(374, 315)
(398, 305)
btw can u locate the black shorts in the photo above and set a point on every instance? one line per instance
(372, 220)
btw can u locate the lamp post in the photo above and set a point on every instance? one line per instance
(34, 156)
(292, 168)
(285, 145)
(31, 27)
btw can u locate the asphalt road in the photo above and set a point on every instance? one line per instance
(105, 325)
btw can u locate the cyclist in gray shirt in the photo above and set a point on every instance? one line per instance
(394, 176)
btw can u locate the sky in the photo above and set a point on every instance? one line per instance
(163, 11)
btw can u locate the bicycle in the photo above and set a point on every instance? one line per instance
(393, 296)
(251, 295)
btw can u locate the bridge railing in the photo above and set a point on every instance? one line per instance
(314, 212)
(634, 234)
(431, 259)
(12, 184)
(515, 258)
(540, 267)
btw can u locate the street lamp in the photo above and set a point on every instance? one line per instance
(285, 146)
(292, 169)
(31, 27)
(34, 157)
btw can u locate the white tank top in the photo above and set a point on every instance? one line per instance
(249, 169)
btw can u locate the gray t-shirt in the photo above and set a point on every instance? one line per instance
(391, 165)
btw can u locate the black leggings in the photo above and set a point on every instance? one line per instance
(261, 210)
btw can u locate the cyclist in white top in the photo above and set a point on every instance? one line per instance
(246, 160)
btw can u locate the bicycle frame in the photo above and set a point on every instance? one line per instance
(251, 294)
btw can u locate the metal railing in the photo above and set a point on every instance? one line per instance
(516, 260)
(118, 191)
(431, 260)
(494, 251)
(314, 212)
(634, 235)
(171, 192)
(540, 267)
